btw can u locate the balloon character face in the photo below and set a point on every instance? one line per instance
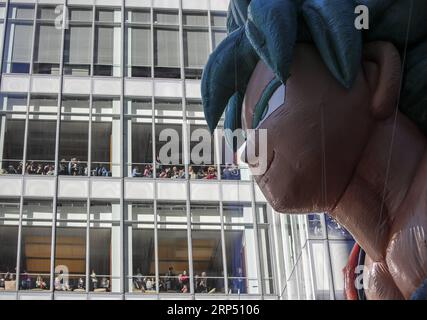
(316, 131)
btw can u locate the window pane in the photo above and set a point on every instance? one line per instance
(242, 262)
(47, 51)
(166, 49)
(195, 19)
(46, 13)
(196, 48)
(107, 44)
(80, 14)
(9, 215)
(138, 16)
(219, 19)
(71, 256)
(207, 260)
(21, 12)
(166, 17)
(19, 38)
(74, 136)
(78, 50)
(217, 37)
(139, 52)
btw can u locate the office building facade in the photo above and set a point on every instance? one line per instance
(91, 91)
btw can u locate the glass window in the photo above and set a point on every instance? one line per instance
(207, 259)
(196, 52)
(78, 43)
(46, 13)
(12, 132)
(18, 50)
(169, 142)
(105, 248)
(41, 135)
(80, 14)
(265, 258)
(138, 129)
(219, 19)
(24, 12)
(9, 220)
(139, 52)
(217, 37)
(241, 259)
(47, 49)
(166, 17)
(36, 245)
(74, 136)
(195, 19)
(141, 275)
(166, 53)
(106, 137)
(138, 16)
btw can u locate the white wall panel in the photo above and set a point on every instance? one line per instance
(204, 191)
(105, 86)
(112, 3)
(236, 191)
(167, 88)
(195, 4)
(138, 88)
(73, 187)
(80, 2)
(10, 186)
(74, 85)
(171, 190)
(192, 89)
(45, 84)
(39, 187)
(220, 5)
(15, 83)
(138, 3)
(168, 4)
(105, 188)
(139, 189)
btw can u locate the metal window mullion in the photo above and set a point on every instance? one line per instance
(186, 153)
(33, 40)
(272, 249)
(57, 144)
(257, 247)
(122, 166)
(221, 213)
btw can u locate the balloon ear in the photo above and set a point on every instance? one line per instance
(227, 71)
(331, 23)
(272, 30)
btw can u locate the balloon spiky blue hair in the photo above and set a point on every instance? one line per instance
(269, 30)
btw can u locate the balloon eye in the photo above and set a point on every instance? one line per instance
(272, 98)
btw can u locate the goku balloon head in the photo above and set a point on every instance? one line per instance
(346, 115)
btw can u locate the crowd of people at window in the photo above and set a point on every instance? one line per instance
(172, 283)
(229, 172)
(74, 167)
